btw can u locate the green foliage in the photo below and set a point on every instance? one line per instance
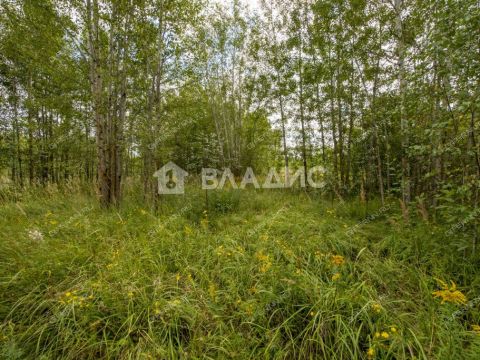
(282, 281)
(225, 201)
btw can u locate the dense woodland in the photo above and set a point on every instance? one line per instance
(383, 94)
(382, 262)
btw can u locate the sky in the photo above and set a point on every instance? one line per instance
(254, 4)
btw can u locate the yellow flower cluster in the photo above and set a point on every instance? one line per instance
(240, 250)
(265, 261)
(338, 260)
(381, 336)
(72, 297)
(376, 307)
(476, 329)
(336, 276)
(385, 335)
(261, 256)
(285, 249)
(114, 257)
(222, 251)
(187, 278)
(449, 293)
(249, 308)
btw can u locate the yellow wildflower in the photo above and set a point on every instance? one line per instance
(449, 293)
(377, 335)
(261, 256)
(220, 251)
(249, 309)
(338, 259)
(393, 329)
(336, 276)
(265, 266)
(71, 297)
(385, 335)
(265, 261)
(371, 353)
(376, 307)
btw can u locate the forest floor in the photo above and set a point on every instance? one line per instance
(263, 274)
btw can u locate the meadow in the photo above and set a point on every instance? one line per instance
(265, 274)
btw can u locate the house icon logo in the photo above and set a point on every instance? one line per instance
(171, 179)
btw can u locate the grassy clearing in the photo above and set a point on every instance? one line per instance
(260, 275)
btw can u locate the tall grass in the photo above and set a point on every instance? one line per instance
(250, 275)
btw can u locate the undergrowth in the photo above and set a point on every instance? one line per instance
(266, 274)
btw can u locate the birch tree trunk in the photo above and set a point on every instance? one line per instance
(406, 190)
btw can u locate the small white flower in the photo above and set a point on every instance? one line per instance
(35, 235)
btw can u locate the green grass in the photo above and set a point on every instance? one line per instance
(252, 278)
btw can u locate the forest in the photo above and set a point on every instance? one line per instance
(239, 179)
